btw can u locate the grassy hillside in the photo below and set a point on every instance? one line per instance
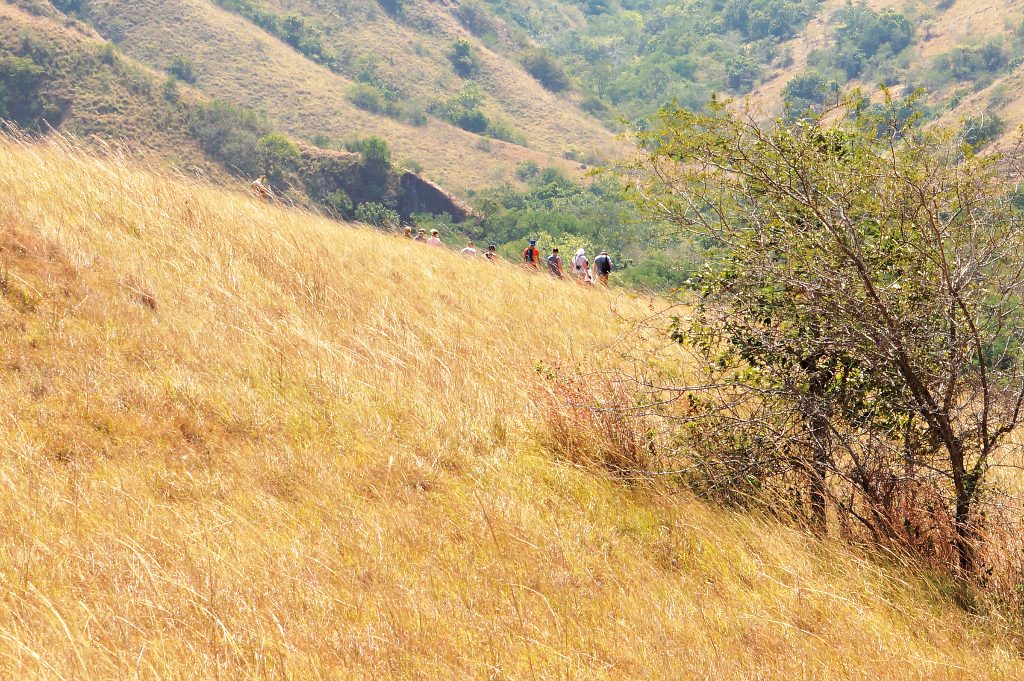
(94, 93)
(245, 442)
(237, 61)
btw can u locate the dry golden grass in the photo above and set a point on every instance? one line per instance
(242, 442)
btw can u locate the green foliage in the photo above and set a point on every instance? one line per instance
(547, 70)
(339, 203)
(864, 297)
(169, 90)
(866, 40)
(779, 19)
(69, 6)
(376, 214)
(978, 131)
(560, 212)
(979, 64)
(292, 29)
(21, 80)
(386, 103)
(464, 110)
(463, 59)
(230, 134)
(375, 168)
(108, 53)
(277, 157)
(393, 7)
(183, 70)
(631, 57)
(807, 92)
(375, 151)
(741, 73)
(527, 170)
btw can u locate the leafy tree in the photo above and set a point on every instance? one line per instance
(741, 73)
(375, 166)
(980, 130)
(862, 325)
(807, 91)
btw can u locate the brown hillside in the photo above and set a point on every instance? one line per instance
(113, 100)
(238, 62)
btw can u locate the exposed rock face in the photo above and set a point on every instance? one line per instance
(423, 196)
(324, 171)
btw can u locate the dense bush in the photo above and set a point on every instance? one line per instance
(20, 100)
(277, 157)
(463, 59)
(547, 70)
(183, 70)
(464, 110)
(376, 214)
(230, 134)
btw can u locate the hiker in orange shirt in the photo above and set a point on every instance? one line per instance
(531, 256)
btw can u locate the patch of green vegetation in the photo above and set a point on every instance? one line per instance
(21, 99)
(465, 111)
(632, 56)
(291, 28)
(464, 59)
(560, 212)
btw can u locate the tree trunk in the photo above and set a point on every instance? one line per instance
(818, 430)
(963, 541)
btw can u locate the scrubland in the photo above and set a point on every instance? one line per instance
(239, 441)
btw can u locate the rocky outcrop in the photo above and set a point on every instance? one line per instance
(420, 195)
(324, 171)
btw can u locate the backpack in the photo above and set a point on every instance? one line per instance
(529, 255)
(604, 264)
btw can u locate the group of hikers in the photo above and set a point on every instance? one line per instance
(580, 270)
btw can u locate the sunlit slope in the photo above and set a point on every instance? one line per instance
(241, 442)
(940, 28)
(237, 61)
(110, 100)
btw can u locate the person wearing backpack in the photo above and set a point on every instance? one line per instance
(603, 268)
(531, 256)
(581, 267)
(555, 263)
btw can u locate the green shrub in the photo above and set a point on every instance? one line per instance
(547, 70)
(20, 100)
(463, 59)
(230, 134)
(527, 170)
(183, 70)
(375, 150)
(277, 157)
(339, 203)
(108, 53)
(376, 214)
